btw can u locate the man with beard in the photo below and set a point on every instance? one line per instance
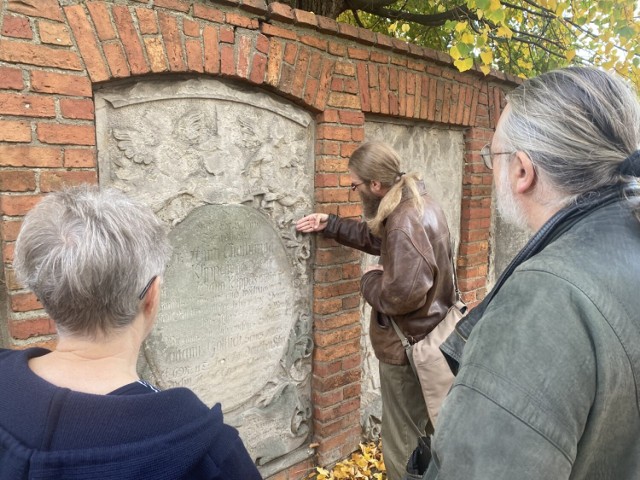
(547, 386)
(412, 284)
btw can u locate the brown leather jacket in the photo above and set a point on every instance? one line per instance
(416, 286)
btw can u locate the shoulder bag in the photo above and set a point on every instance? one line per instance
(426, 359)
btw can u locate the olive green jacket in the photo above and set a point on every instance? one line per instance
(548, 386)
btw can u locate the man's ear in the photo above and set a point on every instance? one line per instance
(524, 173)
(376, 188)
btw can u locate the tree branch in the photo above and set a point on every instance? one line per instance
(578, 27)
(543, 14)
(539, 37)
(570, 22)
(365, 4)
(461, 12)
(534, 4)
(354, 11)
(528, 42)
(428, 20)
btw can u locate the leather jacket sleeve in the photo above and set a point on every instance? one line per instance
(403, 285)
(352, 233)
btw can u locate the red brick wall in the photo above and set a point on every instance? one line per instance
(52, 56)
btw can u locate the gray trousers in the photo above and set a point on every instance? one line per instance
(403, 409)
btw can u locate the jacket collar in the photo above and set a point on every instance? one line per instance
(562, 221)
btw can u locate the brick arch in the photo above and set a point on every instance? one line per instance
(118, 41)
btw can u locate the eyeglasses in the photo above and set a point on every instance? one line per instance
(354, 186)
(487, 155)
(147, 287)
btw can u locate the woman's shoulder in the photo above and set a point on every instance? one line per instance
(138, 387)
(21, 356)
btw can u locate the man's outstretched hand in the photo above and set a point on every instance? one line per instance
(316, 222)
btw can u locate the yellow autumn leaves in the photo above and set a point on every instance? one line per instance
(528, 37)
(404, 28)
(472, 40)
(365, 464)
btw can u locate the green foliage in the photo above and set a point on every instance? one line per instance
(521, 37)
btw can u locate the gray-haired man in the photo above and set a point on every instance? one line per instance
(547, 385)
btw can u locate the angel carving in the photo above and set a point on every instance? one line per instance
(136, 146)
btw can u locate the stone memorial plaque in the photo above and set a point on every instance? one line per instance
(230, 169)
(227, 305)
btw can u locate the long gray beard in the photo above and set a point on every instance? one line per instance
(508, 207)
(370, 205)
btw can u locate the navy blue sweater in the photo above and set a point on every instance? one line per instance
(48, 433)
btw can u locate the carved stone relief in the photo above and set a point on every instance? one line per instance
(230, 170)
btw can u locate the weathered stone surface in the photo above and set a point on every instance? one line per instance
(227, 304)
(230, 170)
(178, 145)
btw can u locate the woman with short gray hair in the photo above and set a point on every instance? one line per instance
(95, 260)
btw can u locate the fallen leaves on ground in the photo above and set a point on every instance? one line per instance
(365, 464)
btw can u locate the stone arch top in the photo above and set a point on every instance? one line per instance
(319, 63)
(119, 41)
